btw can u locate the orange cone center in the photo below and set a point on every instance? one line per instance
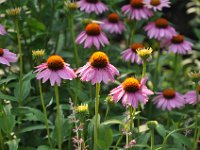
(55, 62)
(131, 85)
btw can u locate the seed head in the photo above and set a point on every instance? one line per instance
(13, 11)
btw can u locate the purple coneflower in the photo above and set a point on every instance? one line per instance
(90, 6)
(169, 99)
(2, 30)
(177, 44)
(131, 91)
(157, 4)
(98, 69)
(130, 54)
(54, 69)
(6, 57)
(92, 36)
(113, 24)
(190, 97)
(137, 10)
(160, 29)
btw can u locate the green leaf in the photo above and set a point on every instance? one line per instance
(161, 130)
(7, 97)
(34, 127)
(182, 139)
(144, 138)
(35, 24)
(7, 123)
(43, 147)
(39, 116)
(26, 87)
(104, 137)
(26, 148)
(13, 144)
(9, 78)
(112, 121)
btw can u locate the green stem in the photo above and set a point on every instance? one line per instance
(107, 111)
(82, 135)
(121, 137)
(119, 140)
(96, 115)
(196, 135)
(156, 70)
(70, 137)
(152, 139)
(132, 36)
(144, 68)
(131, 122)
(20, 61)
(90, 87)
(73, 40)
(169, 134)
(45, 113)
(1, 141)
(58, 117)
(175, 70)
(168, 119)
(71, 23)
(76, 91)
(127, 139)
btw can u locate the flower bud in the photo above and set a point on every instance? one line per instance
(72, 6)
(152, 124)
(195, 76)
(38, 53)
(144, 53)
(13, 11)
(83, 108)
(109, 100)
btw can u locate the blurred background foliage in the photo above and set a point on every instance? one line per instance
(44, 24)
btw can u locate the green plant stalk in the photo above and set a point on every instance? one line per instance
(156, 70)
(96, 115)
(119, 140)
(58, 117)
(45, 113)
(127, 139)
(71, 22)
(196, 135)
(131, 122)
(20, 62)
(121, 137)
(1, 141)
(144, 68)
(169, 134)
(175, 70)
(69, 139)
(73, 39)
(107, 111)
(131, 36)
(77, 135)
(168, 119)
(152, 139)
(76, 91)
(82, 118)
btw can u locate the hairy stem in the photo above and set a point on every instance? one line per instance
(144, 68)
(45, 113)
(58, 117)
(20, 62)
(152, 139)
(96, 115)
(196, 135)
